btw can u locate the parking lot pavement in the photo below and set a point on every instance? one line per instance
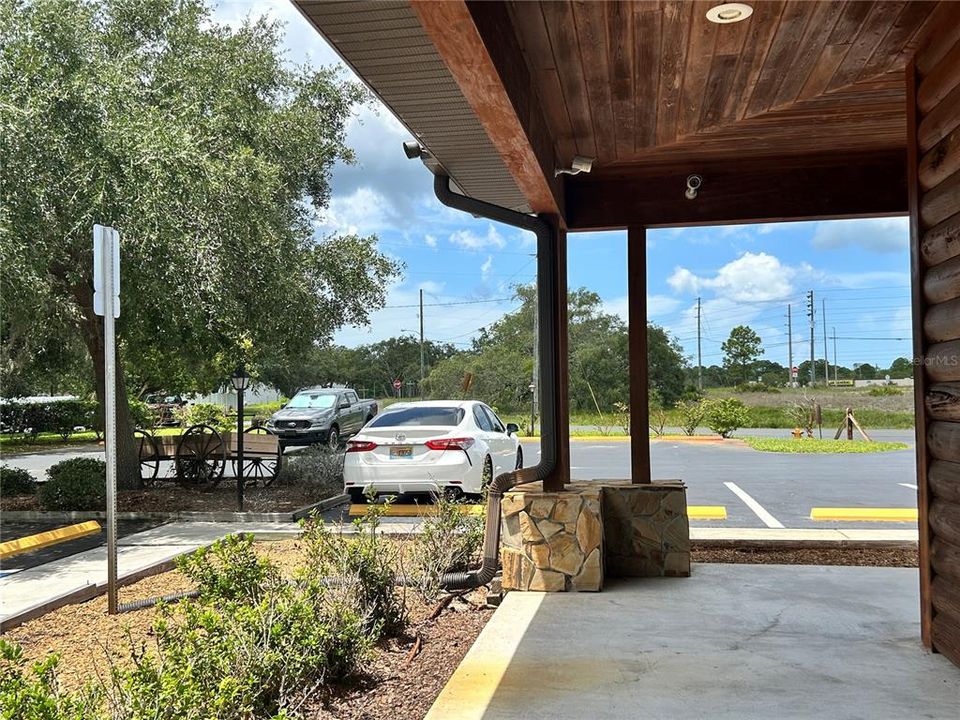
(774, 488)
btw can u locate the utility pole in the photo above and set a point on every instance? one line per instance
(811, 311)
(835, 363)
(826, 354)
(790, 347)
(420, 387)
(699, 355)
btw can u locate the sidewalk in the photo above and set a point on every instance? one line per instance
(737, 642)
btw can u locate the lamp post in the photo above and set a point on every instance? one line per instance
(240, 381)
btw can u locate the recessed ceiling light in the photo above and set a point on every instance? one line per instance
(729, 13)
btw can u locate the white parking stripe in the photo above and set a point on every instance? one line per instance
(908, 486)
(768, 519)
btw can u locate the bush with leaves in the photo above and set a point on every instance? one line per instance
(34, 694)
(884, 390)
(230, 570)
(216, 416)
(75, 484)
(16, 481)
(725, 415)
(692, 413)
(318, 466)
(448, 541)
(364, 564)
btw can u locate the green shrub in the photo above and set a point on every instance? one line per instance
(75, 484)
(34, 693)
(216, 416)
(364, 564)
(318, 466)
(884, 390)
(446, 542)
(59, 416)
(725, 415)
(230, 570)
(140, 414)
(16, 481)
(691, 415)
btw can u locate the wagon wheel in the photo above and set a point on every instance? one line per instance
(261, 469)
(201, 455)
(148, 454)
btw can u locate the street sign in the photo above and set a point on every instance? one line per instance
(106, 255)
(795, 371)
(397, 384)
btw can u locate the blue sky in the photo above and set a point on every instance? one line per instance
(743, 274)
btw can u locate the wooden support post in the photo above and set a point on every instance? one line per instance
(561, 429)
(849, 423)
(639, 407)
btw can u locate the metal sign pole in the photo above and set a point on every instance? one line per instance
(106, 240)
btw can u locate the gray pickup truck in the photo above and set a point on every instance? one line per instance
(321, 415)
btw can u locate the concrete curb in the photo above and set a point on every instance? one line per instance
(802, 538)
(178, 516)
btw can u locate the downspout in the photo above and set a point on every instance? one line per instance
(547, 293)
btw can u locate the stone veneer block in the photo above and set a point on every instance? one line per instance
(552, 541)
(646, 529)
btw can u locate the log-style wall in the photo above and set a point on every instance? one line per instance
(934, 165)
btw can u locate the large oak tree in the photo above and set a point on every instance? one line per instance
(209, 153)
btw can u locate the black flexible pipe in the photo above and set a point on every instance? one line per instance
(150, 602)
(547, 310)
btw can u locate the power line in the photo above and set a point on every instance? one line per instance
(447, 304)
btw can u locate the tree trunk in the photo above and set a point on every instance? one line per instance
(91, 327)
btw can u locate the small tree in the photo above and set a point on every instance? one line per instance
(740, 351)
(691, 415)
(725, 415)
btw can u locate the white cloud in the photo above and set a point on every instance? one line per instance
(486, 268)
(364, 211)
(430, 241)
(470, 240)
(880, 235)
(751, 277)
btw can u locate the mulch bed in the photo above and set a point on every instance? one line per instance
(170, 497)
(872, 557)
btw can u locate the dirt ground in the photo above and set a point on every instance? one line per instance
(405, 675)
(170, 497)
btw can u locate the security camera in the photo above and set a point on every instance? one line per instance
(693, 186)
(578, 165)
(412, 149)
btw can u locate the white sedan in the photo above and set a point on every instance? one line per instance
(435, 446)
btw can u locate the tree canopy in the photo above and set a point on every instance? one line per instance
(740, 351)
(208, 152)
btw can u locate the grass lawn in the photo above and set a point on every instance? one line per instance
(815, 445)
(44, 441)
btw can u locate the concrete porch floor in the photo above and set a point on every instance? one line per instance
(732, 641)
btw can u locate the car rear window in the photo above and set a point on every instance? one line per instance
(443, 416)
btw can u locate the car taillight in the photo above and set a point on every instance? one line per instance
(360, 446)
(450, 443)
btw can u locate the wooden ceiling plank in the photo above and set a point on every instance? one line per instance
(700, 51)
(722, 73)
(504, 103)
(558, 18)
(763, 28)
(620, 61)
(871, 33)
(646, 75)
(823, 19)
(939, 35)
(675, 35)
(776, 64)
(941, 121)
(848, 26)
(889, 53)
(820, 75)
(531, 31)
(591, 28)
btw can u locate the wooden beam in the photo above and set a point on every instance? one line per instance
(561, 429)
(748, 190)
(478, 46)
(921, 379)
(639, 377)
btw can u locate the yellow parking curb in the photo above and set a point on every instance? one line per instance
(865, 514)
(707, 512)
(415, 510)
(46, 539)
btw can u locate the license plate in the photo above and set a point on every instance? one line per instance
(401, 451)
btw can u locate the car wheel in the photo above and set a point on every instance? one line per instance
(357, 496)
(519, 458)
(333, 438)
(452, 494)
